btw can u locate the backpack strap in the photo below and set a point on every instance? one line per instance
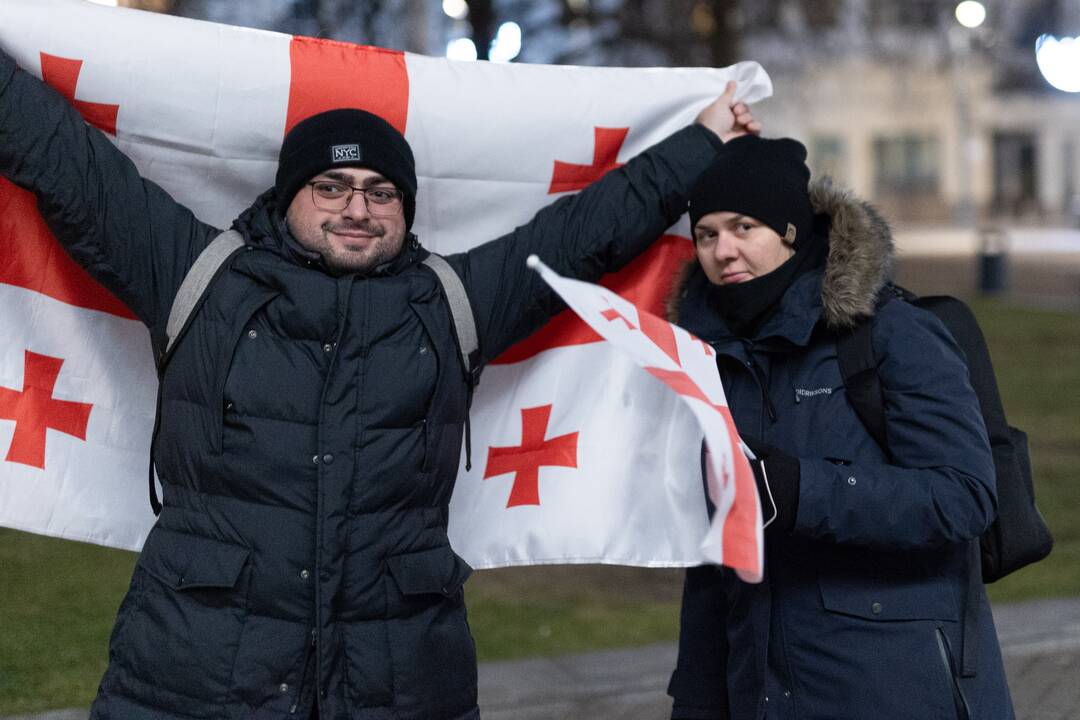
(464, 330)
(188, 300)
(858, 369)
(461, 313)
(198, 278)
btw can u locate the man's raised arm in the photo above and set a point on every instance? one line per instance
(597, 231)
(126, 231)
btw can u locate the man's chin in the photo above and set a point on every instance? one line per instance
(343, 262)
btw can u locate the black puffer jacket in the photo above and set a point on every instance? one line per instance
(311, 431)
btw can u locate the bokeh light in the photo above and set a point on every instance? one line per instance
(1059, 61)
(456, 9)
(507, 43)
(461, 49)
(970, 14)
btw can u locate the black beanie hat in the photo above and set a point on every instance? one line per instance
(346, 138)
(765, 179)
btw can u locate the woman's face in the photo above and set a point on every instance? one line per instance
(734, 248)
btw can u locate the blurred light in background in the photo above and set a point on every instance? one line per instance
(507, 43)
(461, 49)
(456, 9)
(1059, 61)
(970, 14)
(110, 3)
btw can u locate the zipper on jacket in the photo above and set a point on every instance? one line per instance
(951, 676)
(343, 296)
(762, 382)
(301, 687)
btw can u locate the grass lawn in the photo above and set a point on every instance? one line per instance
(58, 599)
(1037, 360)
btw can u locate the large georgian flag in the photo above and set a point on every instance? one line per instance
(578, 456)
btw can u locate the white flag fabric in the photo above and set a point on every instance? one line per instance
(686, 366)
(202, 109)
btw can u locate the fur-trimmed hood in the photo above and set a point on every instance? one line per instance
(859, 263)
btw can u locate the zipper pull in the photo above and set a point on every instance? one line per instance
(770, 407)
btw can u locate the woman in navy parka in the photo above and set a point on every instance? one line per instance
(861, 612)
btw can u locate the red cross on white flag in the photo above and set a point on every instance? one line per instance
(35, 410)
(525, 460)
(679, 360)
(493, 144)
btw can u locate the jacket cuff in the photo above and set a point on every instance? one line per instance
(783, 477)
(714, 139)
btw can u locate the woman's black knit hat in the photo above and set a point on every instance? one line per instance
(765, 179)
(346, 138)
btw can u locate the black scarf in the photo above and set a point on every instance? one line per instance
(747, 305)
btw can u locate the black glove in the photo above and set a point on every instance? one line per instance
(777, 477)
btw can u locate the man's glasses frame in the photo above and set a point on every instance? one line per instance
(335, 196)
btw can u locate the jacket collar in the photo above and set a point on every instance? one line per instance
(858, 266)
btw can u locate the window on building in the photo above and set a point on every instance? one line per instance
(822, 14)
(905, 14)
(906, 164)
(828, 156)
(1016, 188)
(765, 14)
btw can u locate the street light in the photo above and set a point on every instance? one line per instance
(461, 49)
(1059, 61)
(970, 13)
(507, 43)
(456, 9)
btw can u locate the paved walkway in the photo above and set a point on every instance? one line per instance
(1044, 280)
(1040, 641)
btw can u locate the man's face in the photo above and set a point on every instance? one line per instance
(352, 239)
(733, 248)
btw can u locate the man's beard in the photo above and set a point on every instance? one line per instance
(381, 250)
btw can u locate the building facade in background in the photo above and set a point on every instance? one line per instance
(936, 122)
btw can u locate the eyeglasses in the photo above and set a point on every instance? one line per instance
(335, 196)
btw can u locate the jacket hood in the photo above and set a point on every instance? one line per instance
(858, 266)
(257, 223)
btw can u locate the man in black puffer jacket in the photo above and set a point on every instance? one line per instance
(312, 418)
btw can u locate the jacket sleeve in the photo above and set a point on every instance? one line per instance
(596, 231)
(128, 233)
(940, 486)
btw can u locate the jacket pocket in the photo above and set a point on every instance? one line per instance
(952, 676)
(438, 571)
(243, 329)
(427, 367)
(880, 600)
(432, 654)
(189, 562)
(182, 638)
